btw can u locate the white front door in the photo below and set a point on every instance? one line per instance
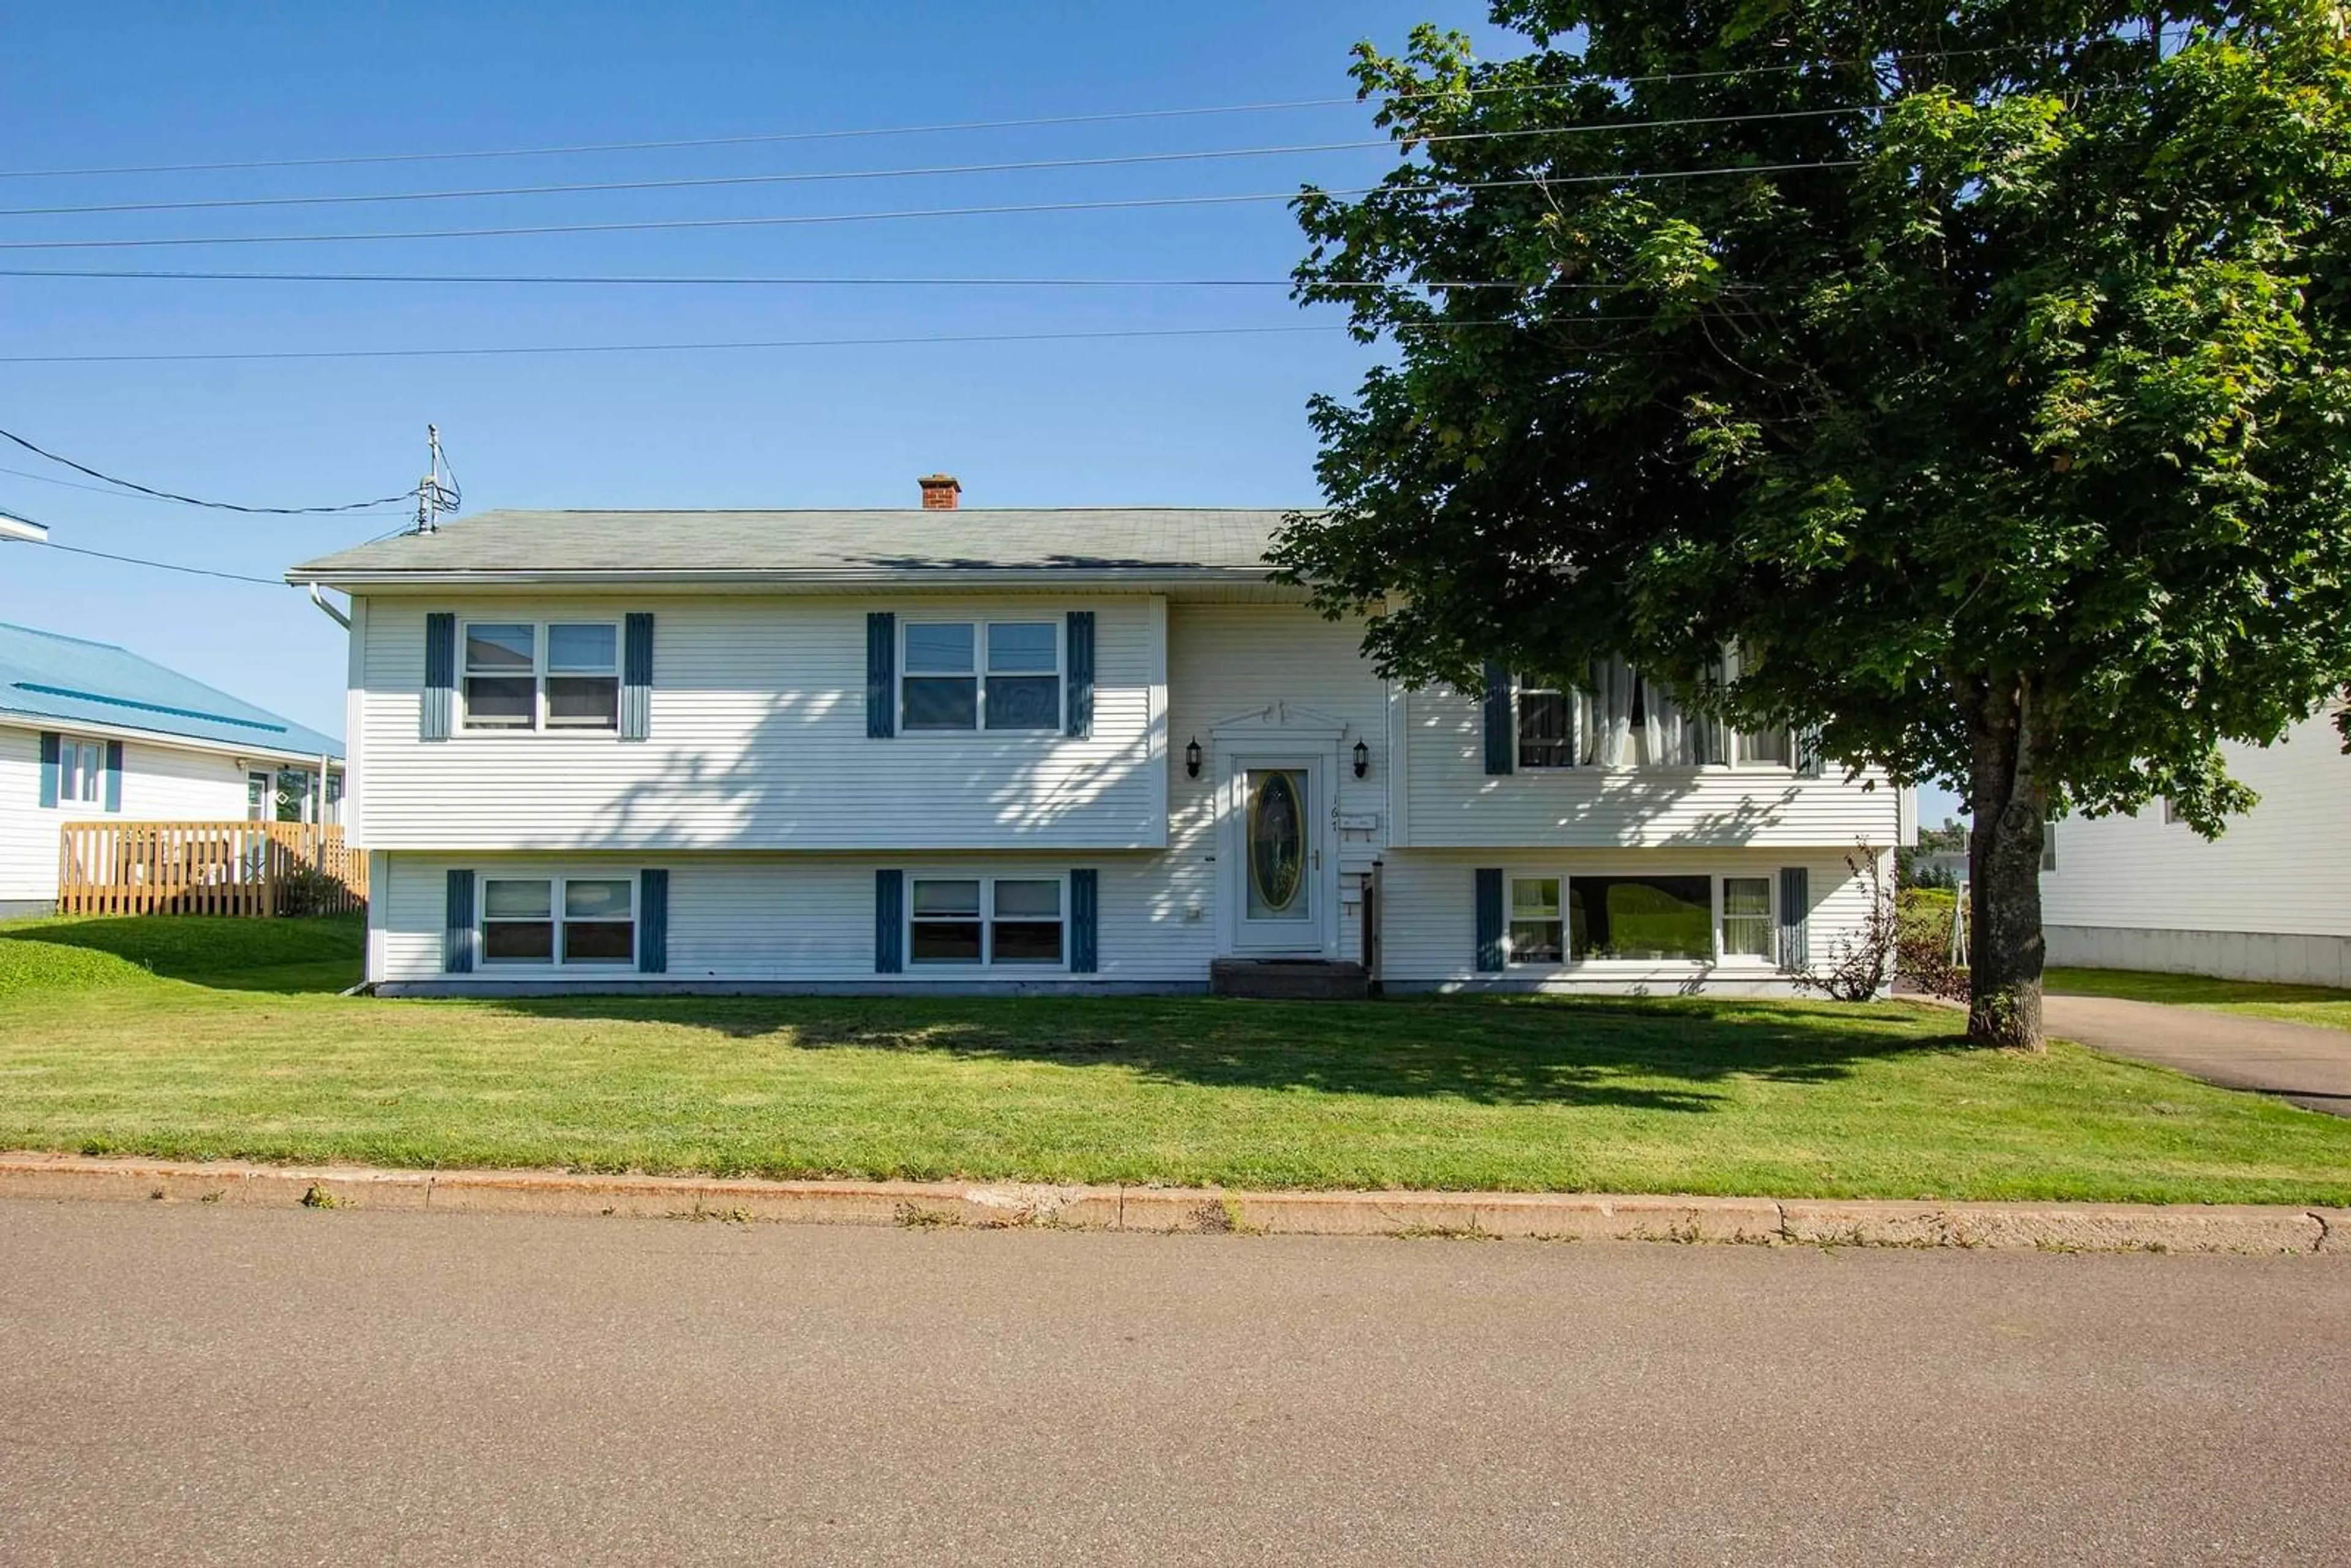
(1278, 898)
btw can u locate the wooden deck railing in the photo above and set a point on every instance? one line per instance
(208, 868)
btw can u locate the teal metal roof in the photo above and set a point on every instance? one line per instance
(66, 681)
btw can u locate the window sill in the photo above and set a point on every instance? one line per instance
(461, 733)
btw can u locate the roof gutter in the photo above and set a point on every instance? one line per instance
(328, 610)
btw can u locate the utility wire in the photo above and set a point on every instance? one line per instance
(93, 489)
(709, 280)
(194, 501)
(158, 565)
(799, 177)
(348, 160)
(1128, 204)
(910, 339)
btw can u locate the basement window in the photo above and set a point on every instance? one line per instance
(597, 924)
(976, 922)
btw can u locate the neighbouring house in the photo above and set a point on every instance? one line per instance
(89, 730)
(2268, 900)
(1062, 750)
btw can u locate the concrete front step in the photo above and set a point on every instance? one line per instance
(1289, 979)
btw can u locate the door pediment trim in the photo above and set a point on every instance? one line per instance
(1283, 721)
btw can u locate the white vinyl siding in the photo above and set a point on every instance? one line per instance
(807, 918)
(1451, 800)
(768, 918)
(759, 740)
(158, 782)
(2280, 868)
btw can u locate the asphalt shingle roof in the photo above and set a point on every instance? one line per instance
(816, 546)
(49, 679)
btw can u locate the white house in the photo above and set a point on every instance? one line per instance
(1037, 750)
(2269, 900)
(91, 730)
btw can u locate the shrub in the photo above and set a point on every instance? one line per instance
(1923, 943)
(1857, 966)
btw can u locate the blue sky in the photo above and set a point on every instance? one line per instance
(1210, 421)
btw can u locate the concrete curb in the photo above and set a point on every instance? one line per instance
(1565, 1216)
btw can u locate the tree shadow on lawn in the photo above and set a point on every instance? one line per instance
(1640, 1054)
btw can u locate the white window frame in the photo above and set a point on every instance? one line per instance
(1744, 963)
(540, 640)
(987, 960)
(1769, 956)
(1511, 881)
(556, 882)
(979, 672)
(1741, 762)
(88, 783)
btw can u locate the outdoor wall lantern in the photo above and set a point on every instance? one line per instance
(1192, 759)
(1362, 760)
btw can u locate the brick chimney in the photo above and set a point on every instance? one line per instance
(939, 491)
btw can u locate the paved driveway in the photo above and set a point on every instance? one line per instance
(2301, 1062)
(209, 1386)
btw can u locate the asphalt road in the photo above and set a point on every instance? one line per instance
(190, 1384)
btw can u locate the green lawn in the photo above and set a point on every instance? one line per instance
(203, 1038)
(2319, 1005)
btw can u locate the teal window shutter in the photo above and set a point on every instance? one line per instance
(881, 674)
(889, 921)
(652, 921)
(114, 776)
(458, 934)
(636, 676)
(50, 746)
(1080, 676)
(1489, 920)
(1808, 754)
(1501, 737)
(439, 707)
(1085, 897)
(1795, 914)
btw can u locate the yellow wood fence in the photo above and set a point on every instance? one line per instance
(208, 868)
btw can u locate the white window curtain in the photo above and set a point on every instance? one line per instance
(1630, 721)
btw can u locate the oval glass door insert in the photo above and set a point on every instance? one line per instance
(1276, 821)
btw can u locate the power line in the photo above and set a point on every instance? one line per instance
(1030, 165)
(92, 489)
(193, 501)
(1030, 123)
(707, 280)
(1008, 209)
(910, 339)
(161, 565)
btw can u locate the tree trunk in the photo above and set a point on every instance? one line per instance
(2007, 803)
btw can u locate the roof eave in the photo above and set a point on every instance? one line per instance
(1133, 580)
(277, 751)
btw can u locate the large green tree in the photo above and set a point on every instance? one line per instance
(1980, 368)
